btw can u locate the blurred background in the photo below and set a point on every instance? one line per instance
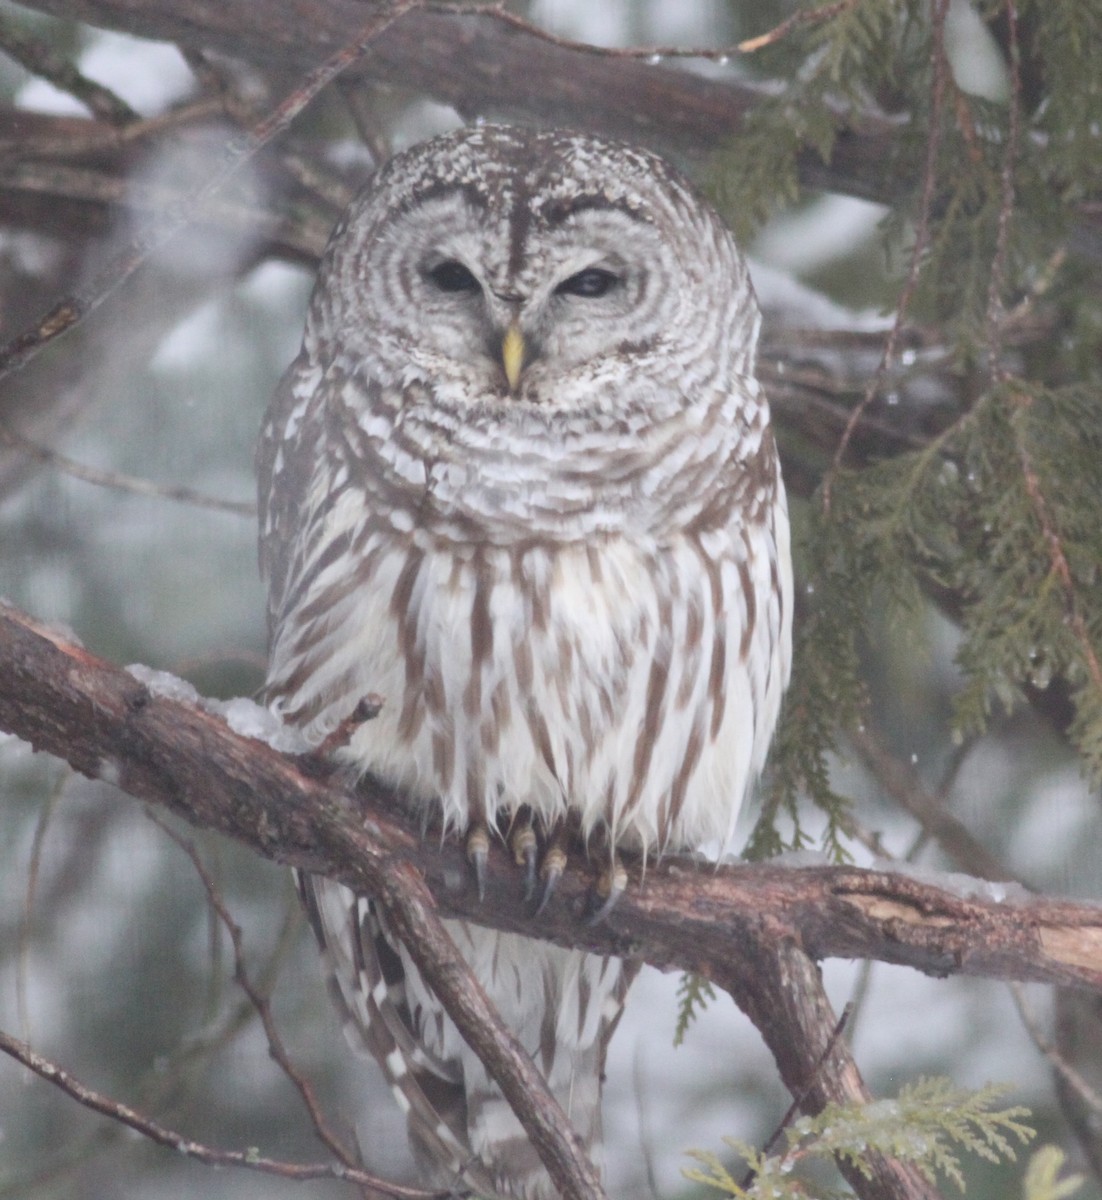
(110, 961)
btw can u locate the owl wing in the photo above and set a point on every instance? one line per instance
(288, 455)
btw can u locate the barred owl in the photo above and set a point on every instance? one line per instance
(521, 483)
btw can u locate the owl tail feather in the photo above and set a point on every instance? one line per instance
(461, 1128)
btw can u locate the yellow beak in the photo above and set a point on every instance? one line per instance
(512, 354)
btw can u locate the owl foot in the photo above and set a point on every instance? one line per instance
(478, 853)
(610, 887)
(523, 843)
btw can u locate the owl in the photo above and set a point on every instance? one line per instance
(521, 483)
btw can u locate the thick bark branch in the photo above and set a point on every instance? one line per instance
(684, 914)
(755, 929)
(485, 67)
(108, 725)
(779, 988)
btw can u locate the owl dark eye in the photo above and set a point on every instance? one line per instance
(452, 276)
(590, 283)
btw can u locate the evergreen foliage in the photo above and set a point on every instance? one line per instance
(1042, 1177)
(693, 993)
(1000, 514)
(929, 1125)
(996, 518)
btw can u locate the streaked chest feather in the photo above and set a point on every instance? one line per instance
(618, 678)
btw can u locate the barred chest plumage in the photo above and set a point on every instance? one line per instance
(521, 664)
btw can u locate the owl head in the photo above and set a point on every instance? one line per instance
(504, 267)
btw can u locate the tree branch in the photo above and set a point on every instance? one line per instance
(756, 929)
(110, 726)
(779, 988)
(186, 1146)
(484, 65)
(685, 914)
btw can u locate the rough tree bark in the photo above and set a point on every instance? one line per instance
(754, 929)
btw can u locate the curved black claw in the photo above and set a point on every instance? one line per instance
(478, 853)
(523, 843)
(554, 863)
(610, 887)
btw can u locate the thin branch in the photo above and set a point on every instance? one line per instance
(41, 825)
(356, 97)
(155, 1132)
(939, 66)
(780, 988)
(119, 482)
(903, 784)
(259, 1000)
(1089, 1096)
(31, 135)
(42, 60)
(651, 54)
(411, 912)
(332, 192)
(802, 16)
(799, 1100)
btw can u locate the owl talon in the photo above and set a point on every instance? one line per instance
(523, 843)
(554, 863)
(610, 887)
(478, 854)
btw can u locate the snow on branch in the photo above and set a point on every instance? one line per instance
(757, 930)
(172, 749)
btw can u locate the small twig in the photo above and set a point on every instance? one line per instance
(259, 1001)
(966, 123)
(1073, 1078)
(940, 68)
(48, 137)
(241, 114)
(647, 1139)
(40, 59)
(34, 865)
(155, 1132)
(803, 16)
(326, 188)
(902, 783)
(119, 482)
(354, 94)
(800, 1099)
(653, 54)
(995, 311)
(367, 709)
